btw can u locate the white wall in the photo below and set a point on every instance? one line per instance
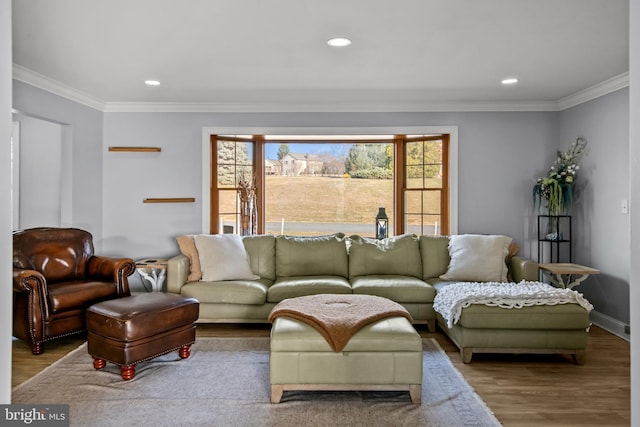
(600, 230)
(40, 177)
(6, 299)
(500, 156)
(82, 134)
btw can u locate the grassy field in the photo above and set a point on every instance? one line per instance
(326, 199)
(320, 201)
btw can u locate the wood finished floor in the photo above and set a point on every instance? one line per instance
(521, 390)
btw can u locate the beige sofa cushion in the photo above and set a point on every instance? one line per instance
(545, 317)
(399, 255)
(228, 292)
(402, 289)
(299, 286)
(477, 258)
(312, 256)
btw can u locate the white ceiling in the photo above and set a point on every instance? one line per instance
(406, 54)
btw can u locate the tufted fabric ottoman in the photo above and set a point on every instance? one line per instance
(384, 355)
(132, 329)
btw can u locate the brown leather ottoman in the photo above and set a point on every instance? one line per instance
(132, 329)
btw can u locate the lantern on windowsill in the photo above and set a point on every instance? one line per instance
(382, 224)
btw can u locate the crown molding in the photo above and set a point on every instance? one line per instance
(600, 89)
(337, 107)
(43, 82)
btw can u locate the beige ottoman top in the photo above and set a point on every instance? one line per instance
(386, 335)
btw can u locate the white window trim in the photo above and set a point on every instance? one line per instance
(391, 130)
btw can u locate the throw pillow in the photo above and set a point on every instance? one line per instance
(188, 248)
(477, 258)
(223, 257)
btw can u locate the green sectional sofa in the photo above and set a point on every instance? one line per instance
(290, 266)
(406, 269)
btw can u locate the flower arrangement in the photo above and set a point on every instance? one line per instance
(557, 186)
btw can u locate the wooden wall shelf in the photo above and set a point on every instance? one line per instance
(169, 200)
(137, 149)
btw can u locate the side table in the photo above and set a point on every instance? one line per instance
(555, 271)
(153, 271)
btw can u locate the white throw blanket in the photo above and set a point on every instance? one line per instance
(450, 300)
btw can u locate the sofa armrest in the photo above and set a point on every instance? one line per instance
(524, 269)
(177, 273)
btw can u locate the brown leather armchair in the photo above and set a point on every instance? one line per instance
(56, 277)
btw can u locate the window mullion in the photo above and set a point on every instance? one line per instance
(399, 180)
(259, 172)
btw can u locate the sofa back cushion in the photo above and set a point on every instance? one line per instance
(435, 256)
(262, 255)
(399, 255)
(312, 256)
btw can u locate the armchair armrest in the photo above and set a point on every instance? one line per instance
(524, 269)
(115, 269)
(177, 273)
(24, 281)
(30, 287)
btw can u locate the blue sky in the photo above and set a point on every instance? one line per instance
(337, 150)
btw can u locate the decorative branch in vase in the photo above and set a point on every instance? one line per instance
(248, 208)
(557, 187)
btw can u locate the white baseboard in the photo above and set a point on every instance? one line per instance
(610, 324)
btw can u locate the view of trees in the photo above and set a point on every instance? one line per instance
(375, 161)
(283, 150)
(370, 161)
(426, 156)
(233, 162)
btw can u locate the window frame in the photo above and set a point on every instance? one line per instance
(401, 187)
(207, 188)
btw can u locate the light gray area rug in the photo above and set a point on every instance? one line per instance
(225, 382)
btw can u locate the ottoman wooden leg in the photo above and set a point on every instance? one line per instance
(185, 351)
(579, 357)
(99, 363)
(415, 391)
(467, 354)
(276, 392)
(128, 372)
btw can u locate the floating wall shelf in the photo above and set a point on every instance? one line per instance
(169, 200)
(136, 149)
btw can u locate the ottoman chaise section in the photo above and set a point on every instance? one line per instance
(525, 317)
(132, 329)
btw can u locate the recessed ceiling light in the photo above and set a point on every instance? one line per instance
(152, 83)
(339, 42)
(510, 81)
